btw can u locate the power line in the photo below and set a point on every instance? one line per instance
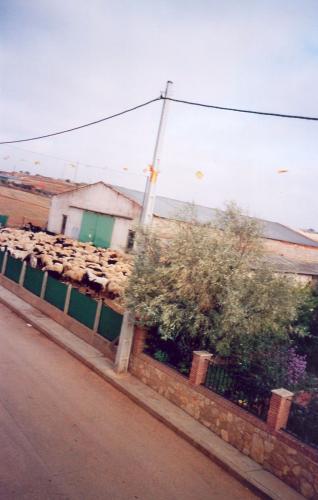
(223, 108)
(83, 126)
(211, 106)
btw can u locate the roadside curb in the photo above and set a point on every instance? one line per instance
(248, 472)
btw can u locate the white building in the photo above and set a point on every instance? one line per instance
(97, 213)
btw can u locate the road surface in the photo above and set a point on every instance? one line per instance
(67, 434)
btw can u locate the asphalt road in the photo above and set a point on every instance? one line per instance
(67, 434)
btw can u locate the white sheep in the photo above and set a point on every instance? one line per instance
(55, 268)
(75, 274)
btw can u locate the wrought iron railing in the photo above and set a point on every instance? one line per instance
(303, 421)
(240, 388)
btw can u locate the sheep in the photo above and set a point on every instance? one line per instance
(46, 260)
(54, 269)
(75, 274)
(114, 289)
(98, 283)
(92, 258)
(103, 270)
(17, 254)
(31, 260)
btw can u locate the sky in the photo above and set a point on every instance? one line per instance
(67, 63)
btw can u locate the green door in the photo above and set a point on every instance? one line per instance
(97, 228)
(3, 220)
(88, 226)
(104, 231)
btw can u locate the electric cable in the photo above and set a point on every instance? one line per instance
(223, 108)
(181, 101)
(83, 126)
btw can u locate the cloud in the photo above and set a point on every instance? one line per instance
(64, 63)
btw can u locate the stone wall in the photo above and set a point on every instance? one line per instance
(277, 451)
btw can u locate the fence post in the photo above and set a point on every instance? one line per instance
(67, 299)
(279, 408)
(4, 263)
(22, 273)
(140, 335)
(199, 367)
(44, 282)
(97, 315)
(124, 343)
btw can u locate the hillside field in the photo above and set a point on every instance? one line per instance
(23, 207)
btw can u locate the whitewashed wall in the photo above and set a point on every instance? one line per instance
(74, 221)
(120, 233)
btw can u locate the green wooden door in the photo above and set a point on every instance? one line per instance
(97, 228)
(104, 231)
(88, 226)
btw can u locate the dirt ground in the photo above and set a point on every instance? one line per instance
(23, 207)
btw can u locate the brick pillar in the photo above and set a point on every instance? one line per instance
(199, 367)
(139, 340)
(279, 409)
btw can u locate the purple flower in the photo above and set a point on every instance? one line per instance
(296, 367)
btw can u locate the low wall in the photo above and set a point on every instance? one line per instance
(60, 317)
(278, 452)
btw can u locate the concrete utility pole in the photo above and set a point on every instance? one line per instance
(127, 329)
(150, 191)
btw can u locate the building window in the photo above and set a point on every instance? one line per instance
(64, 220)
(131, 239)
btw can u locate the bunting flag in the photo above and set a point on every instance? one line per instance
(199, 174)
(153, 174)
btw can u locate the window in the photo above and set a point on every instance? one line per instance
(64, 220)
(130, 239)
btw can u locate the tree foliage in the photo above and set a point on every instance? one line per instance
(209, 287)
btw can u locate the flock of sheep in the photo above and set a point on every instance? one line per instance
(99, 272)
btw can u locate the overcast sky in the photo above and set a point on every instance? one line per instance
(63, 63)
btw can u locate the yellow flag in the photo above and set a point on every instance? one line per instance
(199, 174)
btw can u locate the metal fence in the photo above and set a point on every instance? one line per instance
(2, 254)
(240, 388)
(109, 323)
(55, 293)
(303, 422)
(33, 280)
(13, 269)
(84, 309)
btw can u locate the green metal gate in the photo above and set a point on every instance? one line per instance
(109, 323)
(33, 280)
(55, 292)
(82, 308)
(97, 228)
(13, 269)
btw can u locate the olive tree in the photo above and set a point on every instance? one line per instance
(210, 287)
